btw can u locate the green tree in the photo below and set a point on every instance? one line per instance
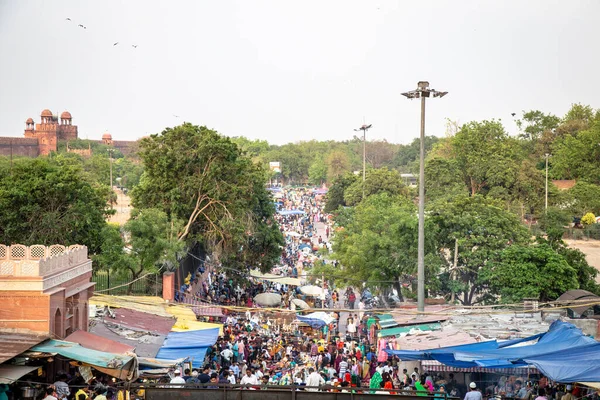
(335, 196)
(377, 181)
(152, 242)
(583, 198)
(534, 123)
(576, 157)
(51, 201)
(535, 270)
(195, 175)
(337, 164)
(317, 172)
(379, 243)
(483, 229)
(485, 155)
(443, 178)
(112, 255)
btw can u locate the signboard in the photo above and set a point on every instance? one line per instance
(275, 166)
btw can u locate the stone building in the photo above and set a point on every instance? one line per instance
(45, 289)
(42, 139)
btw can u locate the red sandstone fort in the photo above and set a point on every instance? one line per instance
(43, 138)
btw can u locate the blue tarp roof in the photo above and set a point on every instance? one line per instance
(188, 344)
(564, 354)
(291, 212)
(75, 351)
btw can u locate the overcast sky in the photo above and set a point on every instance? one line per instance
(292, 70)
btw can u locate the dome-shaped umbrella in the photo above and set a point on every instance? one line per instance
(299, 303)
(268, 299)
(311, 290)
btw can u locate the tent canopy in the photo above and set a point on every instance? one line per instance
(284, 280)
(405, 329)
(189, 344)
(11, 373)
(563, 354)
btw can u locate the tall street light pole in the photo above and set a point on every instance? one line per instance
(546, 202)
(423, 91)
(364, 128)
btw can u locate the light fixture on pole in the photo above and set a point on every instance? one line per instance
(546, 202)
(364, 128)
(423, 91)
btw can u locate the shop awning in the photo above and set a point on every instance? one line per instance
(284, 280)
(11, 373)
(405, 329)
(387, 321)
(121, 366)
(14, 343)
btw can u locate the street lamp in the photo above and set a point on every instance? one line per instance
(423, 91)
(364, 128)
(546, 203)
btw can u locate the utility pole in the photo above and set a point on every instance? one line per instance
(423, 91)
(546, 202)
(110, 150)
(453, 274)
(364, 128)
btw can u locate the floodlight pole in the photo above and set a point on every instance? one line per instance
(546, 202)
(364, 128)
(423, 91)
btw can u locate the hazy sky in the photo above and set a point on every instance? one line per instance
(292, 70)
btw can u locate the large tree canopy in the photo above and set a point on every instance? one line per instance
(202, 178)
(50, 201)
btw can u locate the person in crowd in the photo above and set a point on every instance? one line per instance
(177, 378)
(473, 393)
(62, 387)
(314, 380)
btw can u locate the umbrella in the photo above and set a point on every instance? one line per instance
(268, 299)
(300, 303)
(311, 290)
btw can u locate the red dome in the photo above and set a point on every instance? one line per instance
(107, 136)
(29, 121)
(65, 115)
(46, 113)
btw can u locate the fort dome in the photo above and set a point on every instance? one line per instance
(46, 113)
(106, 136)
(29, 121)
(65, 115)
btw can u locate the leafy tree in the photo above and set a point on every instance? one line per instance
(317, 173)
(485, 155)
(576, 157)
(535, 270)
(553, 222)
(380, 153)
(195, 175)
(335, 196)
(443, 178)
(534, 123)
(483, 229)
(50, 201)
(376, 181)
(152, 242)
(409, 154)
(379, 242)
(112, 255)
(337, 164)
(583, 198)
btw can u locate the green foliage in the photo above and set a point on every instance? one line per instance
(51, 201)
(335, 196)
(443, 178)
(379, 242)
(377, 181)
(409, 154)
(112, 255)
(317, 172)
(338, 164)
(576, 157)
(554, 223)
(535, 122)
(195, 175)
(588, 219)
(583, 198)
(483, 229)
(535, 270)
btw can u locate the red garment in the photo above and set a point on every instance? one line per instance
(388, 385)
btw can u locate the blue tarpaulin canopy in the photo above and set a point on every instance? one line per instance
(188, 344)
(563, 354)
(291, 212)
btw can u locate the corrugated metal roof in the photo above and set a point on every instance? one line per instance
(13, 343)
(405, 329)
(96, 342)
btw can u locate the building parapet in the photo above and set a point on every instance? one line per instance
(38, 260)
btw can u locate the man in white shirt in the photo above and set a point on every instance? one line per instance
(227, 354)
(177, 378)
(249, 378)
(343, 368)
(314, 380)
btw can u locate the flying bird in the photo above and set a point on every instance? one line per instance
(68, 19)
(81, 26)
(134, 46)
(513, 114)
(176, 116)
(115, 43)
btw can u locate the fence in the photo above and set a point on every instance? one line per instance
(107, 283)
(591, 232)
